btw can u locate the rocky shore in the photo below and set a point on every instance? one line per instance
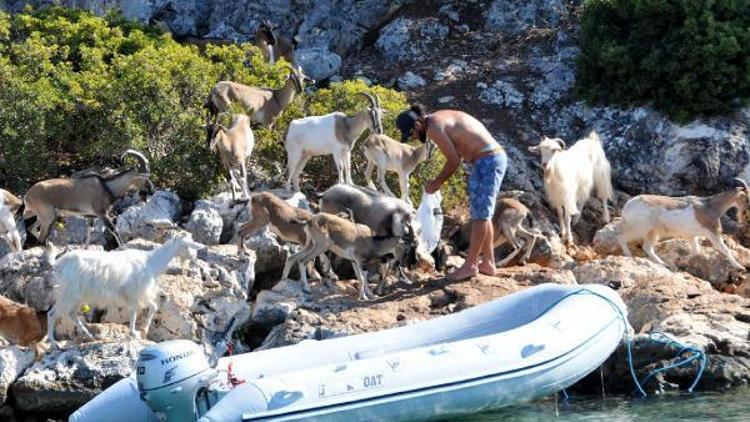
(703, 304)
(510, 63)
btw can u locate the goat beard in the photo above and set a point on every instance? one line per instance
(423, 136)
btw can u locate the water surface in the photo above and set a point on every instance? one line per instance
(727, 406)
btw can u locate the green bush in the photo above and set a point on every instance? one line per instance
(686, 57)
(77, 89)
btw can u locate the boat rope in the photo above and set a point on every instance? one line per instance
(696, 353)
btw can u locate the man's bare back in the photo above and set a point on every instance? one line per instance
(467, 134)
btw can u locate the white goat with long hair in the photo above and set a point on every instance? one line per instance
(102, 279)
(570, 175)
(9, 207)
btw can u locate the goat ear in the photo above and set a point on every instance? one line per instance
(534, 149)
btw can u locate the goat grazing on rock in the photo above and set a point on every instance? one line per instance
(89, 196)
(333, 133)
(9, 207)
(127, 278)
(286, 221)
(263, 105)
(569, 176)
(355, 242)
(272, 45)
(648, 218)
(391, 155)
(507, 222)
(234, 146)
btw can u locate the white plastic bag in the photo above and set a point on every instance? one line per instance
(430, 217)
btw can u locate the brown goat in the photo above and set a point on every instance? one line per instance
(507, 222)
(285, 220)
(22, 325)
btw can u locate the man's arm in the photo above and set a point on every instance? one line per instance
(453, 160)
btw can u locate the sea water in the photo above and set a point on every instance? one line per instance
(733, 405)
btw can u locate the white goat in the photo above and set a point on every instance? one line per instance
(101, 279)
(391, 155)
(648, 218)
(333, 133)
(569, 176)
(234, 146)
(9, 206)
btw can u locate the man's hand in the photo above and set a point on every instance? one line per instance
(432, 187)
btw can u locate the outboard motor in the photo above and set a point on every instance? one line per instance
(171, 376)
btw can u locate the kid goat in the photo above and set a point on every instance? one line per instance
(273, 46)
(102, 279)
(569, 176)
(648, 218)
(333, 133)
(286, 221)
(391, 155)
(355, 242)
(234, 146)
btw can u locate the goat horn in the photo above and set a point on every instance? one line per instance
(373, 104)
(561, 143)
(744, 184)
(142, 161)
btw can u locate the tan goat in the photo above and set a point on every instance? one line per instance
(263, 105)
(649, 218)
(507, 222)
(391, 155)
(90, 196)
(22, 325)
(286, 221)
(348, 240)
(234, 146)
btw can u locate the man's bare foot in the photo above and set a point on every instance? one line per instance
(487, 269)
(466, 271)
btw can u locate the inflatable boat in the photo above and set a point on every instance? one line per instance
(516, 348)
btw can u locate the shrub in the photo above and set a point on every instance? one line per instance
(77, 89)
(686, 57)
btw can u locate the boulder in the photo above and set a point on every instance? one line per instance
(13, 362)
(26, 277)
(205, 223)
(410, 80)
(680, 305)
(318, 63)
(79, 230)
(65, 380)
(142, 221)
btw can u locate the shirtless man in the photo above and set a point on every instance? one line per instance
(462, 137)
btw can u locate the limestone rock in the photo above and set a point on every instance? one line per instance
(205, 223)
(13, 362)
(161, 209)
(318, 63)
(65, 380)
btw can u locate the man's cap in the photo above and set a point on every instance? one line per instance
(405, 123)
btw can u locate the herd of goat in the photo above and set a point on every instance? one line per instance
(359, 224)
